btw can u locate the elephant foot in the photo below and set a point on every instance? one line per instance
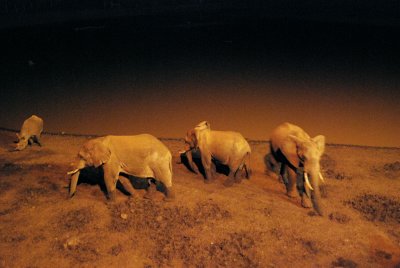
(208, 181)
(238, 180)
(229, 182)
(169, 194)
(70, 195)
(111, 196)
(148, 195)
(291, 194)
(150, 192)
(193, 169)
(306, 202)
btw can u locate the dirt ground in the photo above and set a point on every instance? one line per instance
(251, 224)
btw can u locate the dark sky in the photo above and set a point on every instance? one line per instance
(131, 75)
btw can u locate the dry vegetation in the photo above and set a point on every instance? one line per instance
(252, 224)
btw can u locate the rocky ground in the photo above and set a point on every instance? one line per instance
(252, 224)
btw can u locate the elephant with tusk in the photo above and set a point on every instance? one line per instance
(141, 155)
(227, 147)
(30, 132)
(299, 156)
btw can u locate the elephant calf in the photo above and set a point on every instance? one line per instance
(141, 155)
(30, 132)
(228, 147)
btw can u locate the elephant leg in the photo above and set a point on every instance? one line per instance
(206, 161)
(247, 171)
(150, 191)
(189, 156)
(213, 169)
(291, 184)
(164, 175)
(283, 175)
(37, 140)
(270, 162)
(231, 178)
(238, 174)
(110, 179)
(305, 201)
(169, 194)
(126, 184)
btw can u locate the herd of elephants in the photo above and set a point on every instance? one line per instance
(292, 151)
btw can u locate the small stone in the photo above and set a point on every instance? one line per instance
(124, 216)
(71, 243)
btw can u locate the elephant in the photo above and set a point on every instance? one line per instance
(299, 156)
(227, 147)
(141, 155)
(30, 132)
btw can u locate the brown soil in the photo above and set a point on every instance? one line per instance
(251, 224)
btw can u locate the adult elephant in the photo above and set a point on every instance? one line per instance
(299, 156)
(141, 155)
(227, 147)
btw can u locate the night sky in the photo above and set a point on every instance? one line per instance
(162, 76)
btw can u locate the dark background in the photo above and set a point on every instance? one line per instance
(127, 67)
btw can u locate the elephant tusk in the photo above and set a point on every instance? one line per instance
(321, 178)
(73, 171)
(307, 181)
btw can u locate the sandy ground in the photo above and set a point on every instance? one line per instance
(252, 224)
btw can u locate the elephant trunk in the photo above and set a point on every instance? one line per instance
(75, 176)
(315, 193)
(73, 183)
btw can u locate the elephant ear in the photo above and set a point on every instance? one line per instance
(198, 139)
(191, 139)
(203, 125)
(99, 153)
(297, 140)
(199, 132)
(300, 146)
(320, 141)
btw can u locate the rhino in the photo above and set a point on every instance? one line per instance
(30, 132)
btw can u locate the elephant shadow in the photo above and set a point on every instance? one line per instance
(217, 166)
(95, 176)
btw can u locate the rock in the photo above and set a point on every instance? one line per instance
(124, 216)
(71, 243)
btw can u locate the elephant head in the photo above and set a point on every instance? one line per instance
(21, 143)
(201, 133)
(194, 139)
(197, 136)
(93, 153)
(309, 152)
(190, 140)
